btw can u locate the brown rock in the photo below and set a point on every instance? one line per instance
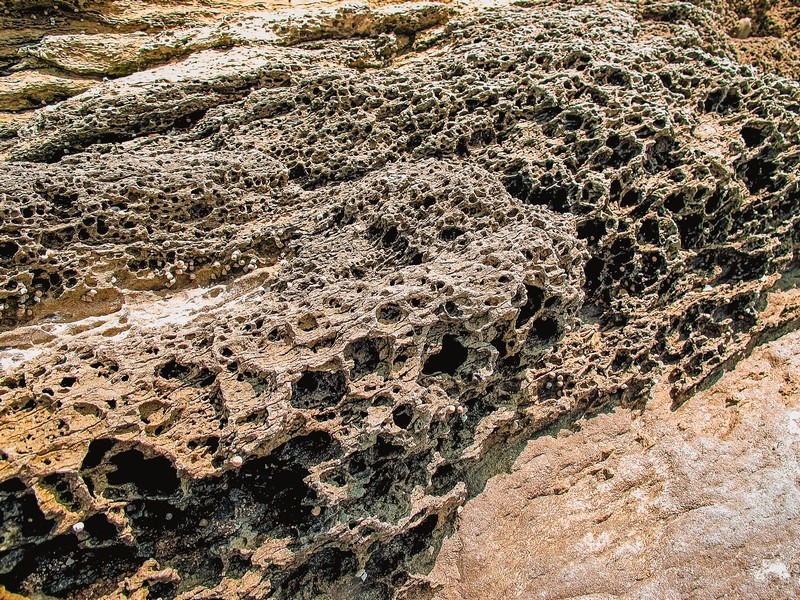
(274, 309)
(699, 502)
(32, 89)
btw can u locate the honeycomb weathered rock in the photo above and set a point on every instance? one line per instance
(368, 267)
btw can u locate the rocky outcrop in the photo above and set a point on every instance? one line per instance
(272, 311)
(699, 503)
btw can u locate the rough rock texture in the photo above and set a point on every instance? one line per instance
(766, 34)
(698, 503)
(272, 312)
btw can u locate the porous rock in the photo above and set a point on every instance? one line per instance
(271, 313)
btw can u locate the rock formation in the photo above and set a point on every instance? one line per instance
(282, 288)
(698, 503)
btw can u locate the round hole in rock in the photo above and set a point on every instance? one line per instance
(307, 322)
(367, 355)
(8, 249)
(319, 389)
(752, 136)
(402, 416)
(99, 527)
(447, 361)
(544, 328)
(390, 313)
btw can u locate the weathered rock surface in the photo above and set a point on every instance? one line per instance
(702, 502)
(273, 310)
(22, 91)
